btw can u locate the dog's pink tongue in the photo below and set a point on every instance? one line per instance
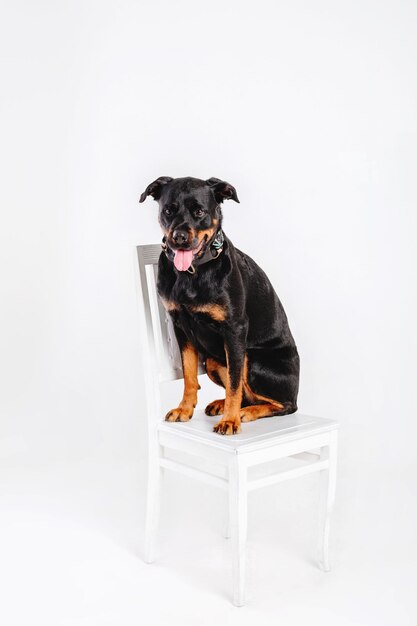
(183, 259)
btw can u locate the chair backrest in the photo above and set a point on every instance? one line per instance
(159, 342)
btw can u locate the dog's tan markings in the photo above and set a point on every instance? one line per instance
(202, 233)
(170, 305)
(254, 412)
(215, 408)
(250, 396)
(216, 372)
(193, 234)
(185, 410)
(230, 422)
(215, 311)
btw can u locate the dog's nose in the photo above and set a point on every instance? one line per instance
(180, 236)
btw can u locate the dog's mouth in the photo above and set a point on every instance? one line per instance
(183, 259)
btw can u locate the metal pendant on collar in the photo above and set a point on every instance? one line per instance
(218, 240)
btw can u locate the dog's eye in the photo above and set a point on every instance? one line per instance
(169, 210)
(199, 212)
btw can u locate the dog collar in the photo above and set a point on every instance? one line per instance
(212, 252)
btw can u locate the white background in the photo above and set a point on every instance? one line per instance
(309, 110)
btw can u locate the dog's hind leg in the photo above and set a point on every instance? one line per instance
(217, 373)
(261, 406)
(255, 411)
(215, 408)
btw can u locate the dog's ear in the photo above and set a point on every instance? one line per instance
(222, 190)
(155, 188)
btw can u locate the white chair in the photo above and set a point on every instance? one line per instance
(236, 463)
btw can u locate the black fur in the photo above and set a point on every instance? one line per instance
(255, 323)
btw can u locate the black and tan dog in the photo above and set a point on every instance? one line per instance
(223, 307)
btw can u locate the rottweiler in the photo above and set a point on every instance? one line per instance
(223, 308)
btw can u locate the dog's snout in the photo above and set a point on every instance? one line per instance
(180, 236)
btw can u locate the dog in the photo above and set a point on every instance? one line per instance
(223, 308)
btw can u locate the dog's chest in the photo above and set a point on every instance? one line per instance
(196, 312)
(202, 324)
(197, 302)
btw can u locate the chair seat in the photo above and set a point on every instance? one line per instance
(255, 435)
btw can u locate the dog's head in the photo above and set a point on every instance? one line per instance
(189, 213)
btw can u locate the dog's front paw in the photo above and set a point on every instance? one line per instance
(180, 414)
(215, 408)
(227, 426)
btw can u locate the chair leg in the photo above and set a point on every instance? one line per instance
(327, 494)
(226, 520)
(153, 497)
(238, 496)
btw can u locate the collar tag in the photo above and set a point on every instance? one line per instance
(218, 241)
